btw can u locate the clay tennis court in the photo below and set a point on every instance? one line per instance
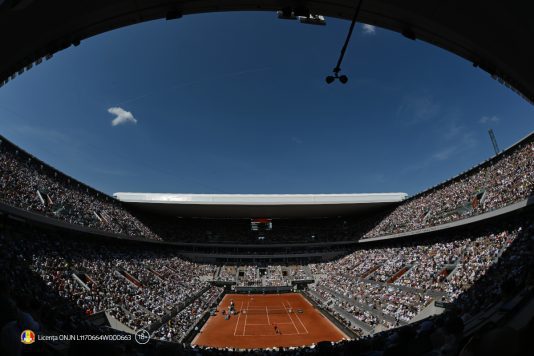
(253, 326)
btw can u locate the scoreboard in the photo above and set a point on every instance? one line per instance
(261, 224)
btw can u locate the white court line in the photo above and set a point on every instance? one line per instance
(238, 316)
(268, 320)
(298, 317)
(246, 318)
(297, 330)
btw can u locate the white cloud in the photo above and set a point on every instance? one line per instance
(123, 116)
(368, 29)
(489, 119)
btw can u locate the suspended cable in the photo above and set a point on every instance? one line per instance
(343, 78)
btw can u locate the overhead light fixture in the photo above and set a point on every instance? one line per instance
(302, 14)
(343, 78)
(331, 78)
(313, 20)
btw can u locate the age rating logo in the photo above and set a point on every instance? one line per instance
(142, 336)
(27, 337)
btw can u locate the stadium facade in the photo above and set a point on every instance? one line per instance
(259, 205)
(34, 30)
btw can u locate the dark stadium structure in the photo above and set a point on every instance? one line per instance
(447, 271)
(491, 35)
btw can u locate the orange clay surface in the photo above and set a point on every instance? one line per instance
(254, 324)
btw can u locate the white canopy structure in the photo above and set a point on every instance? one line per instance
(259, 205)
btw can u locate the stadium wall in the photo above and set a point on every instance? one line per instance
(513, 208)
(27, 217)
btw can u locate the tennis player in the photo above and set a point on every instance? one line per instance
(276, 330)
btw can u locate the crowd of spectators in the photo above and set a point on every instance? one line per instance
(227, 273)
(378, 300)
(502, 181)
(262, 275)
(381, 287)
(401, 281)
(248, 275)
(365, 276)
(298, 272)
(177, 327)
(154, 289)
(331, 303)
(29, 184)
(138, 288)
(274, 276)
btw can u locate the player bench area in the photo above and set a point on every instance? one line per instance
(260, 321)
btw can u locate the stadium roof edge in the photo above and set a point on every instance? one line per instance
(259, 199)
(259, 205)
(36, 30)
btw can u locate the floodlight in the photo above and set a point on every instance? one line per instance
(343, 78)
(313, 20)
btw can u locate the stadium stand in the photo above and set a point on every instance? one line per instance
(417, 295)
(501, 181)
(29, 184)
(400, 282)
(370, 290)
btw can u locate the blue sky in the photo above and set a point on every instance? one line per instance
(237, 103)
